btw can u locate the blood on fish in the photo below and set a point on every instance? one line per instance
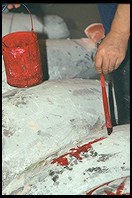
(75, 152)
(119, 190)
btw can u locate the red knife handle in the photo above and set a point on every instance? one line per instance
(105, 102)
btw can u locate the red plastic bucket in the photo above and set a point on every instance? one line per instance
(22, 60)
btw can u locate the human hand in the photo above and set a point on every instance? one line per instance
(111, 52)
(13, 5)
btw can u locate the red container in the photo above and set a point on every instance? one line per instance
(22, 59)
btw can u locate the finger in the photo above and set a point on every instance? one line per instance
(118, 62)
(98, 63)
(10, 6)
(105, 64)
(17, 5)
(112, 64)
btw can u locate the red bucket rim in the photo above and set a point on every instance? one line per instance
(20, 32)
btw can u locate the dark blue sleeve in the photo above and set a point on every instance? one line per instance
(107, 12)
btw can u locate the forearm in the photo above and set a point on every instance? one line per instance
(121, 21)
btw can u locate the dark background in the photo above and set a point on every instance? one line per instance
(76, 16)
